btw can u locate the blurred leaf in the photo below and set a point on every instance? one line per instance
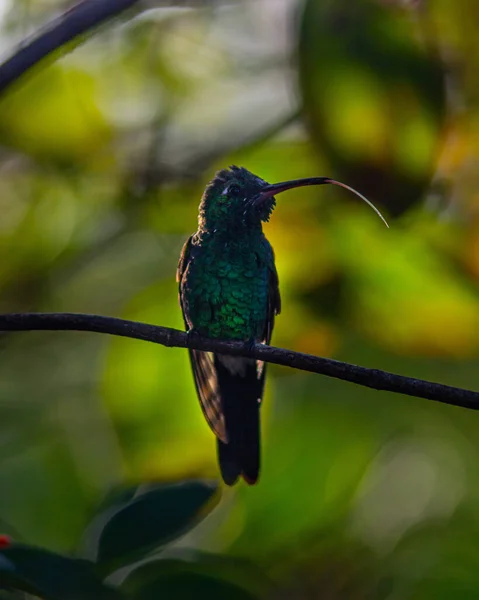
(54, 115)
(180, 580)
(117, 496)
(373, 95)
(232, 569)
(152, 519)
(51, 576)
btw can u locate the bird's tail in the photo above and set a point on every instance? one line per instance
(240, 389)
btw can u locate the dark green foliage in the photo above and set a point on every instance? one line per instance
(50, 575)
(141, 522)
(152, 519)
(203, 577)
(191, 585)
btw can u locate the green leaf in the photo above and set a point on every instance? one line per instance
(117, 497)
(50, 575)
(230, 569)
(171, 578)
(374, 96)
(153, 519)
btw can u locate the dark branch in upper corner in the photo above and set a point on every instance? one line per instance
(372, 378)
(76, 21)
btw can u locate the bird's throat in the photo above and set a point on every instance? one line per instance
(232, 233)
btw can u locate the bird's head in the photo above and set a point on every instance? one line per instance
(227, 202)
(236, 199)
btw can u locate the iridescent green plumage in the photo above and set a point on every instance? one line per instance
(227, 284)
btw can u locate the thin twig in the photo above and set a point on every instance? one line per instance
(372, 378)
(76, 21)
(79, 19)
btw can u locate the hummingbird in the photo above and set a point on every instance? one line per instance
(229, 289)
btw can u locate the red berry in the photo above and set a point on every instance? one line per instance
(5, 541)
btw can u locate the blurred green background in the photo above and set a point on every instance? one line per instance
(103, 157)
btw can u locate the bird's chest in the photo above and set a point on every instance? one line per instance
(229, 291)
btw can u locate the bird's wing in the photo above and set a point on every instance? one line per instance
(183, 261)
(204, 372)
(274, 308)
(274, 301)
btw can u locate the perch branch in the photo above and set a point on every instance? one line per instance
(372, 378)
(79, 19)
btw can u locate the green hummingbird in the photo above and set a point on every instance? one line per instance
(229, 289)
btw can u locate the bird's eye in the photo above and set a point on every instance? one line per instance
(234, 190)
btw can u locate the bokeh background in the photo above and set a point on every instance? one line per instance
(104, 153)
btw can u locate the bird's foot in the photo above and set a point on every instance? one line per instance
(191, 334)
(250, 344)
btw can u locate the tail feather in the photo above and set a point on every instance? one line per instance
(230, 466)
(240, 390)
(250, 451)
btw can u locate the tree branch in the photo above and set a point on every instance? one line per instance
(76, 21)
(372, 378)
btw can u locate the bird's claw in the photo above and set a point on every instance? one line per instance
(250, 344)
(191, 334)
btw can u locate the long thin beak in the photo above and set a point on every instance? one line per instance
(276, 188)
